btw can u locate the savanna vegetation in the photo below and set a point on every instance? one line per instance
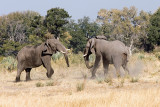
(18, 29)
(72, 87)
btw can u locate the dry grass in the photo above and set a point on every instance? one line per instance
(61, 89)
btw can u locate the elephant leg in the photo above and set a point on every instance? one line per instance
(117, 61)
(125, 64)
(19, 70)
(95, 67)
(117, 71)
(50, 71)
(105, 66)
(117, 65)
(28, 74)
(47, 64)
(125, 67)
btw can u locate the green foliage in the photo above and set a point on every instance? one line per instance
(11, 48)
(80, 32)
(15, 31)
(154, 29)
(34, 40)
(57, 56)
(125, 25)
(18, 29)
(76, 58)
(157, 55)
(141, 56)
(9, 63)
(55, 20)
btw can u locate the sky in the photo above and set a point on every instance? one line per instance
(76, 8)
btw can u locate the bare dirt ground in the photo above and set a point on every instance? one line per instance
(72, 87)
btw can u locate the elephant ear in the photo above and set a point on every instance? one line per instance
(92, 45)
(47, 49)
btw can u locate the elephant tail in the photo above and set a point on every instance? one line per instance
(126, 56)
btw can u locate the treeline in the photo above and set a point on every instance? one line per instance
(18, 29)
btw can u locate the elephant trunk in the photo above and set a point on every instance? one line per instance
(66, 58)
(64, 51)
(86, 58)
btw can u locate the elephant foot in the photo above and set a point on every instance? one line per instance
(49, 76)
(17, 79)
(93, 77)
(28, 79)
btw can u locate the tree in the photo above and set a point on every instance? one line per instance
(118, 24)
(80, 32)
(154, 30)
(125, 25)
(55, 21)
(18, 29)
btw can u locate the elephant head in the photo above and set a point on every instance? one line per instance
(52, 46)
(90, 49)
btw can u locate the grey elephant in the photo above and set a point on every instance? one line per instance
(111, 52)
(34, 56)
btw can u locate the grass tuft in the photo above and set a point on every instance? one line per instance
(134, 79)
(108, 80)
(50, 83)
(39, 84)
(100, 80)
(80, 87)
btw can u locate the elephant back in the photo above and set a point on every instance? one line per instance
(101, 37)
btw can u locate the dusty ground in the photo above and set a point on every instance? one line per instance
(141, 88)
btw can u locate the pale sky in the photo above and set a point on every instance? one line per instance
(76, 8)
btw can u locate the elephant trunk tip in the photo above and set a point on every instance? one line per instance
(87, 62)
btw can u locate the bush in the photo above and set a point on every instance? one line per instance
(157, 55)
(134, 79)
(141, 56)
(80, 86)
(100, 80)
(108, 80)
(57, 56)
(52, 83)
(9, 63)
(39, 84)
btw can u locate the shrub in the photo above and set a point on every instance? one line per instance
(39, 84)
(108, 80)
(57, 56)
(100, 80)
(9, 63)
(141, 56)
(80, 86)
(157, 55)
(134, 79)
(50, 83)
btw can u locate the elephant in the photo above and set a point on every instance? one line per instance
(111, 52)
(34, 56)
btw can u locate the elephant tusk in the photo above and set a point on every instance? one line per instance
(67, 49)
(85, 55)
(63, 52)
